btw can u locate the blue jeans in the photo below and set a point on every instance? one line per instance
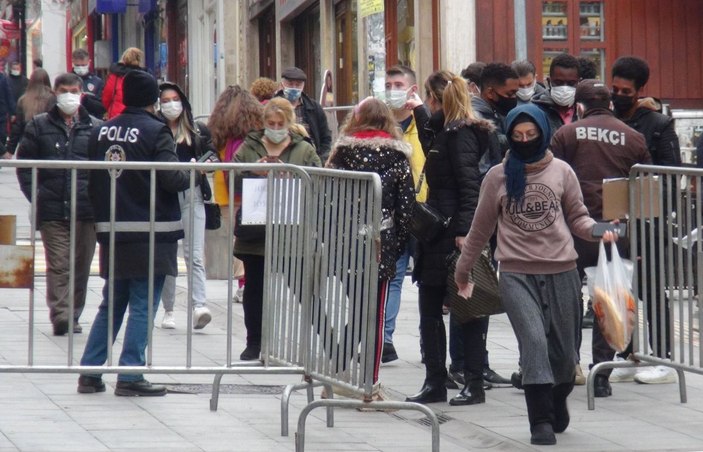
(128, 292)
(395, 287)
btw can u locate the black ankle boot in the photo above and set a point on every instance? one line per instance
(561, 412)
(430, 393)
(540, 412)
(472, 394)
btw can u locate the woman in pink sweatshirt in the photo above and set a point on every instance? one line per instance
(536, 203)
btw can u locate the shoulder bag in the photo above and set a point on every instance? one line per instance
(427, 223)
(485, 299)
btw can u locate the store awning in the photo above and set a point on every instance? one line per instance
(119, 6)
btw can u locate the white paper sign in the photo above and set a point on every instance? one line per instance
(254, 201)
(287, 201)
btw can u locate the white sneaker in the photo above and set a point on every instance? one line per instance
(579, 378)
(239, 295)
(622, 374)
(169, 321)
(201, 317)
(656, 375)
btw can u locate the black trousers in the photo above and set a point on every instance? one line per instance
(253, 303)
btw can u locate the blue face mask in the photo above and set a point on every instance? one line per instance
(292, 94)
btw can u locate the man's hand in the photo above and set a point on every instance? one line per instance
(7, 156)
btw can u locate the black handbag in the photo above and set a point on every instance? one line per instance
(213, 216)
(485, 298)
(427, 223)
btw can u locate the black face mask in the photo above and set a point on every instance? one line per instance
(526, 149)
(622, 104)
(504, 104)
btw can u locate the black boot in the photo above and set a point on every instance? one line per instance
(472, 394)
(561, 412)
(540, 412)
(434, 345)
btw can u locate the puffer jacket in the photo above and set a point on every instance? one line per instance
(112, 93)
(454, 179)
(46, 137)
(378, 152)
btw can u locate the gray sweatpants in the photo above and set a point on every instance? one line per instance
(544, 311)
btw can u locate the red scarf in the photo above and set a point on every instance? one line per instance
(366, 134)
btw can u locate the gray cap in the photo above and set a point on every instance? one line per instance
(294, 73)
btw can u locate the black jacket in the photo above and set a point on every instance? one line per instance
(388, 158)
(660, 135)
(454, 180)
(93, 95)
(545, 102)
(46, 137)
(315, 122)
(498, 138)
(18, 85)
(137, 136)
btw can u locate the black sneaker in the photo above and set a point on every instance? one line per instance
(457, 376)
(491, 376)
(60, 327)
(601, 387)
(90, 385)
(77, 328)
(389, 353)
(516, 380)
(251, 353)
(141, 388)
(588, 317)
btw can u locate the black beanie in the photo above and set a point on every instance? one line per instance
(139, 89)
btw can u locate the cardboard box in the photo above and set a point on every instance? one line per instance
(616, 199)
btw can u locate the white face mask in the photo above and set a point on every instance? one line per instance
(276, 135)
(525, 94)
(15, 72)
(80, 70)
(68, 103)
(563, 95)
(396, 98)
(172, 110)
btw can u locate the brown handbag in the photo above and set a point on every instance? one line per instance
(485, 299)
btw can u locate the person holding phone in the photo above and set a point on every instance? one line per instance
(535, 202)
(192, 143)
(281, 141)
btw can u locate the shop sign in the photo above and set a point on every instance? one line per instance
(369, 7)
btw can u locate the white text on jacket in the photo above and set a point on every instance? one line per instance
(602, 135)
(118, 133)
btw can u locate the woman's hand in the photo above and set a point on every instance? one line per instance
(413, 102)
(465, 289)
(611, 236)
(459, 241)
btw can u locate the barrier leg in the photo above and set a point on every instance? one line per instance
(595, 370)
(682, 385)
(214, 399)
(308, 385)
(330, 409)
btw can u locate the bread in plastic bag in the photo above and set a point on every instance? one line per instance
(613, 302)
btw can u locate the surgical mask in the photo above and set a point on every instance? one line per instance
(396, 98)
(275, 135)
(172, 110)
(525, 94)
(292, 94)
(563, 95)
(504, 104)
(81, 70)
(622, 104)
(68, 102)
(14, 72)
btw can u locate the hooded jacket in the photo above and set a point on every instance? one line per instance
(598, 147)
(112, 93)
(378, 152)
(534, 235)
(454, 179)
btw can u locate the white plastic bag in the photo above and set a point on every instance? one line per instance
(613, 302)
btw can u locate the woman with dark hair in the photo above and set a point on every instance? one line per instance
(38, 98)
(192, 142)
(371, 141)
(539, 285)
(454, 141)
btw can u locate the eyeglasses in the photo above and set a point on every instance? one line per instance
(526, 136)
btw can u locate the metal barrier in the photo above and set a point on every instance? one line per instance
(665, 216)
(319, 313)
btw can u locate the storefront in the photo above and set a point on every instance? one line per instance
(669, 35)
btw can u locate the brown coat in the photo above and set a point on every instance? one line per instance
(598, 147)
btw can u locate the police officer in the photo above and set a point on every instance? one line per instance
(598, 146)
(92, 84)
(136, 135)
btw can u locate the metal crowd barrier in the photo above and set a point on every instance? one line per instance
(319, 313)
(665, 212)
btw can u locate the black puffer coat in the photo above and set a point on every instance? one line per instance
(454, 180)
(389, 158)
(46, 137)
